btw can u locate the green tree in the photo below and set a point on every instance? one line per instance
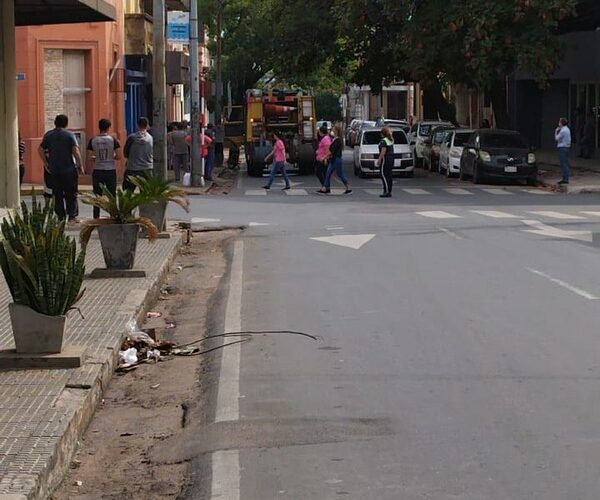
(328, 106)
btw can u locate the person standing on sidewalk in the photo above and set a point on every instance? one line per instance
(562, 135)
(105, 151)
(181, 150)
(279, 158)
(337, 165)
(139, 153)
(60, 154)
(323, 154)
(386, 161)
(209, 162)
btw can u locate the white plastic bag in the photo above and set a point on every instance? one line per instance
(136, 335)
(187, 179)
(128, 357)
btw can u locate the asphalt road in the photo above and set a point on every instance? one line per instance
(457, 354)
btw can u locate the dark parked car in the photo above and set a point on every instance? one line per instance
(498, 154)
(431, 147)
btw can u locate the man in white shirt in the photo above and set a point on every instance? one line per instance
(562, 135)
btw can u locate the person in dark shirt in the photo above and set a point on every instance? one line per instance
(60, 154)
(386, 161)
(336, 165)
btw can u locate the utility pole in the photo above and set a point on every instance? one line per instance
(219, 68)
(159, 90)
(197, 174)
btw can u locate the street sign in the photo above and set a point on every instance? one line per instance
(178, 27)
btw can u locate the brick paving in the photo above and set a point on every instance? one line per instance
(42, 412)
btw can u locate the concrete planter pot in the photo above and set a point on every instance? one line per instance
(156, 212)
(36, 333)
(119, 243)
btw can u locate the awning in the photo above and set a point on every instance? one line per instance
(35, 12)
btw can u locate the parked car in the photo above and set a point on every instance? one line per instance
(363, 125)
(352, 132)
(498, 154)
(418, 132)
(388, 122)
(451, 150)
(431, 147)
(366, 153)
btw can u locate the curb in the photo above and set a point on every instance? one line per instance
(84, 401)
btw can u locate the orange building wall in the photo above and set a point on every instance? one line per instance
(102, 40)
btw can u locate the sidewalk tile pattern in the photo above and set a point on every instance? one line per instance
(32, 417)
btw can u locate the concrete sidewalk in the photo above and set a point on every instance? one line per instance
(585, 174)
(44, 412)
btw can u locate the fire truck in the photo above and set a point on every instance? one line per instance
(289, 112)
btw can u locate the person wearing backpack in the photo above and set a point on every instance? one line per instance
(386, 161)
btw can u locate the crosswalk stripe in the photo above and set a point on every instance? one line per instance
(256, 192)
(537, 191)
(439, 214)
(296, 192)
(495, 214)
(374, 192)
(415, 191)
(593, 214)
(555, 215)
(457, 191)
(497, 191)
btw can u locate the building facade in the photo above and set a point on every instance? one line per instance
(74, 69)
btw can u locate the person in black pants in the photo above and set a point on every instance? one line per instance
(61, 157)
(104, 150)
(386, 161)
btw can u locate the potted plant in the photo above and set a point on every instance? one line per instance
(162, 192)
(119, 231)
(44, 274)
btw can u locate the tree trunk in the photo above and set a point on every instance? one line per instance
(435, 105)
(499, 104)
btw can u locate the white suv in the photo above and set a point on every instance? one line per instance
(418, 132)
(451, 150)
(366, 153)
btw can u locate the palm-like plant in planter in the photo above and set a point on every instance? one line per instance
(44, 274)
(162, 192)
(119, 231)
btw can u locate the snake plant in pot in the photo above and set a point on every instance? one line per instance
(44, 273)
(119, 231)
(162, 192)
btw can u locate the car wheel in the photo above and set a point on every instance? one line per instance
(461, 172)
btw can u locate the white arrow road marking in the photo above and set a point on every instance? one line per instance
(555, 215)
(495, 214)
(198, 220)
(439, 214)
(564, 284)
(553, 232)
(255, 224)
(354, 241)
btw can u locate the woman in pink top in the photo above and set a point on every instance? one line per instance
(323, 154)
(279, 162)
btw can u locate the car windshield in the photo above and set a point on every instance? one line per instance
(460, 138)
(425, 128)
(373, 137)
(399, 137)
(439, 136)
(502, 141)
